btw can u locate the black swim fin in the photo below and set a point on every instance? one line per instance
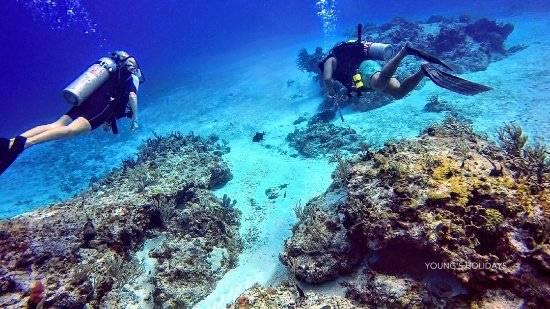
(4, 147)
(426, 56)
(453, 83)
(12, 154)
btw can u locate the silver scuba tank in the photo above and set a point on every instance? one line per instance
(89, 81)
(379, 51)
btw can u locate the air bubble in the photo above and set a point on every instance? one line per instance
(326, 10)
(62, 15)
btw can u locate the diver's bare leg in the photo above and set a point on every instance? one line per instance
(380, 80)
(63, 121)
(400, 89)
(79, 126)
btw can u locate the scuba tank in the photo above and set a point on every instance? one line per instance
(375, 51)
(89, 81)
(379, 51)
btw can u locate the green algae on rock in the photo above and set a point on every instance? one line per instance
(447, 202)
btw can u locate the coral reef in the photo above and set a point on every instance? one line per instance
(443, 219)
(374, 288)
(84, 252)
(436, 105)
(467, 45)
(470, 45)
(289, 296)
(529, 161)
(310, 62)
(322, 138)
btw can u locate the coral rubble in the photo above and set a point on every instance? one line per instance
(84, 252)
(443, 219)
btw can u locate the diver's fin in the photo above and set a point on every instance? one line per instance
(4, 147)
(12, 154)
(453, 83)
(426, 56)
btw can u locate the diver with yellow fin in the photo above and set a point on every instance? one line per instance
(344, 61)
(105, 92)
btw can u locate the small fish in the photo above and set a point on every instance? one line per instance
(258, 137)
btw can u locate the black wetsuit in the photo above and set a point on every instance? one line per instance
(108, 103)
(349, 56)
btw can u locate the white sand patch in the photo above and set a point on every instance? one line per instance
(141, 287)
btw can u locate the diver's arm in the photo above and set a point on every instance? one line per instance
(329, 67)
(133, 103)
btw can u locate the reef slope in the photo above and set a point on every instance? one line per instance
(444, 219)
(151, 232)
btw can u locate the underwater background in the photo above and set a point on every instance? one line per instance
(46, 43)
(229, 68)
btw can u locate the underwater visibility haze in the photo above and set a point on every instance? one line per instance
(274, 154)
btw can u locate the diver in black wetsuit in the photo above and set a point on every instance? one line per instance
(113, 99)
(353, 64)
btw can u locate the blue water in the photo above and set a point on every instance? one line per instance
(223, 67)
(44, 44)
(168, 37)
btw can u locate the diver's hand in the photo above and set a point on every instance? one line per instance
(330, 92)
(134, 126)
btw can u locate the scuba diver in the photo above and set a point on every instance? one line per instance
(344, 60)
(105, 92)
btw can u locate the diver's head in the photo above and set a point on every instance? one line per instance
(130, 65)
(120, 55)
(127, 63)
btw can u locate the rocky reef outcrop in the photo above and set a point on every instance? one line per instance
(289, 296)
(321, 138)
(434, 104)
(151, 232)
(468, 44)
(445, 219)
(310, 62)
